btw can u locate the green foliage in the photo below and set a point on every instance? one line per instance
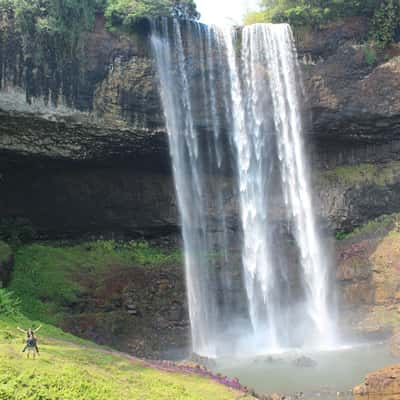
(370, 54)
(47, 278)
(378, 226)
(65, 20)
(254, 17)
(126, 13)
(384, 14)
(341, 235)
(9, 304)
(63, 17)
(60, 22)
(385, 22)
(144, 254)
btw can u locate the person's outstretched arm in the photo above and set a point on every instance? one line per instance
(35, 330)
(21, 330)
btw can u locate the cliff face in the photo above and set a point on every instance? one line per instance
(369, 279)
(87, 139)
(83, 148)
(102, 103)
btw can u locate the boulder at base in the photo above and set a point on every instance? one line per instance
(383, 384)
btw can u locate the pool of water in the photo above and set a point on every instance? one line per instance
(328, 374)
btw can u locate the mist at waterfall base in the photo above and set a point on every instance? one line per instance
(257, 272)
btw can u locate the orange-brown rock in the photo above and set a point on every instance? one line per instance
(369, 276)
(380, 385)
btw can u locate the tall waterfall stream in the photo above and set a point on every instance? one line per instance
(257, 271)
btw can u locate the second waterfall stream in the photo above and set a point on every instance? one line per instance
(257, 271)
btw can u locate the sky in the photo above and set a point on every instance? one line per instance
(222, 12)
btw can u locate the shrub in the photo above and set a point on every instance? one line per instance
(9, 304)
(370, 54)
(341, 235)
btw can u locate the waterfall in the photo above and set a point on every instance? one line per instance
(188, 69)
(269, 117)
(232, 105)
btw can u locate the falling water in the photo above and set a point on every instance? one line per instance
(189, 69)
(269, 117)
(236, 113)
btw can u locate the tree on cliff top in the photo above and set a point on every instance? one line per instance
(127, 12)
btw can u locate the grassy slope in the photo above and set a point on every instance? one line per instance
(71, 369)
(46, 276)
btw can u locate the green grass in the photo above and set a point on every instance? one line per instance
(5, 252)
(47, 277)
(378, 226)
(71, 369)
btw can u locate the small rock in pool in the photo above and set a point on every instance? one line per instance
(305, 362)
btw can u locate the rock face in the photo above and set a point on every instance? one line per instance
(369, 277)
(77, 200)
(140, 311)
(104, 105)
(381, 385)
(83, 149)
(352, 195)
(353, 97)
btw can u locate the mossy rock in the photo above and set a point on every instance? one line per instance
(6, 263)
(362, 174)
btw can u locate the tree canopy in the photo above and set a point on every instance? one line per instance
(70, 17)
(125, 12)
(384, 14)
